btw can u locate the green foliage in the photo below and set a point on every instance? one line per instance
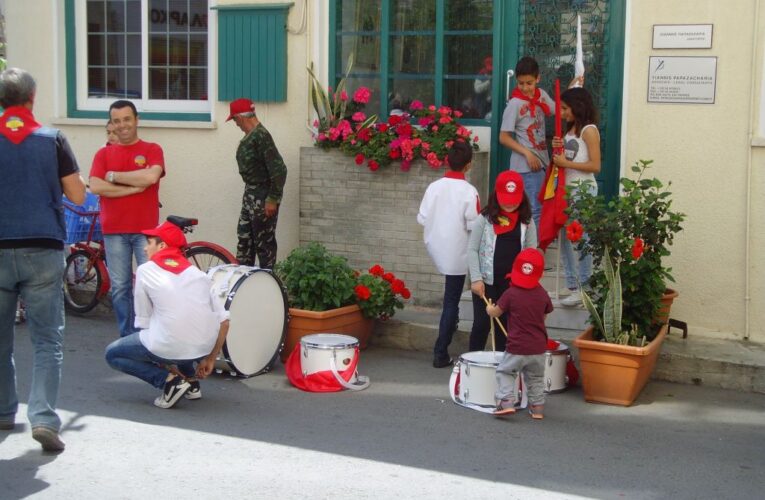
(3, 63)
(643, 212)
(316, 280)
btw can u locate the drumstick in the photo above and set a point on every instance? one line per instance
(497, 319)
(493, 340)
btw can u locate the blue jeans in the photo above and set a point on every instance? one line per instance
(578, 265)
(532, 185)
(128, 355)
(450, 315)
(36, 274)
(120, 250)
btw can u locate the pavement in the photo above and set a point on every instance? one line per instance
(400, 438)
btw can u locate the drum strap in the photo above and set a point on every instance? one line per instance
(363, 382)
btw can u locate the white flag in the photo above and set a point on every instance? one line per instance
(579, 61)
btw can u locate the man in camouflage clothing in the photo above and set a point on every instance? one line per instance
(264, 173)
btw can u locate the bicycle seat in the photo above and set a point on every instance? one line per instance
(182, 222)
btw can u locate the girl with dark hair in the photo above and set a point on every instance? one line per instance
(504, 228)
(581, 159)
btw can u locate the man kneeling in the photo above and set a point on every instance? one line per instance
(181, 323)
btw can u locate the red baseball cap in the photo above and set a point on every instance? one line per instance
(241, 105)
(509, 188)
(528, 268)
(169, 233)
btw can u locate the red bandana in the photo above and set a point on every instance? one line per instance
(507, 222)
(171, 259)
(533, 101)
(451, 174)
(17, 123)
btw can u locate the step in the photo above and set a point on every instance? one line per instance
(729, 364)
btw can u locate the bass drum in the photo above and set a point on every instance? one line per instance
(257, 304)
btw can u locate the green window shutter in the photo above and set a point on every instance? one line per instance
(252, 52)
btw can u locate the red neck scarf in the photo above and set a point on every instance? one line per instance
(533, 101)
(171, 259)
(451, 174)
(506, 222)
(17, 123)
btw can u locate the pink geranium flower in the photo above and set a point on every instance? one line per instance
(362, 95)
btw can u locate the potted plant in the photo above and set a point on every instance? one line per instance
(327, 296)
(628, 238)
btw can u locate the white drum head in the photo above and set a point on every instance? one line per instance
(258, 322)
(329, 341)
(482, 358)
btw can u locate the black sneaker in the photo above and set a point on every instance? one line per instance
(194, 392)
(173, 391)
(442, 363)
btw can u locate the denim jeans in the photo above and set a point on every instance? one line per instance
(578, 265)
(450, 315)
(120, 250)
(36, 275)
(128, 355)
(532, 185)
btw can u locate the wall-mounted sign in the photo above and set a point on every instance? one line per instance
(682, 36)
(687, 80)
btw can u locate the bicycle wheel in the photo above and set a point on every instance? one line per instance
(205, 257)
(82, 282)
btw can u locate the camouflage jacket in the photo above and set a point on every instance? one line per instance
(260, 165)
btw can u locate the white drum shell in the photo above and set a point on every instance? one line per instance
(555, 369)
(316, 351)
(257, 306)
(478, 381)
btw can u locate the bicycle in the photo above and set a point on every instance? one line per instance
(86, 275)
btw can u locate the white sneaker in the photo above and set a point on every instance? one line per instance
(572, 300)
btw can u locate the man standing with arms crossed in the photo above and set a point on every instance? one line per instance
(264, 173)
(126, 176)
(38, 167)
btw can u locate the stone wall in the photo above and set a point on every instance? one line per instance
(371, 217)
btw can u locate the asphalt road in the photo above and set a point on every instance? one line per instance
(400, 438)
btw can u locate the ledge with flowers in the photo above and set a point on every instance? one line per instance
(326, 295)
(362, 183)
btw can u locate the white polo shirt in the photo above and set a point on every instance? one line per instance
(178, 314)
(446, 211)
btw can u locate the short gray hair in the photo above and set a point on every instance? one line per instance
(247, 114)
(17, 87)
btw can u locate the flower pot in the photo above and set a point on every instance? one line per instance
(614, 373)
(348, 320)
(662, 315)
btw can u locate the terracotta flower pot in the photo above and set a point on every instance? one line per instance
(662, 315)
(348, 320)
(613, 373)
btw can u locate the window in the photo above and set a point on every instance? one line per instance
(434, 51)
(153, 52)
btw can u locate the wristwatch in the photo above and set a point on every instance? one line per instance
(110, 176)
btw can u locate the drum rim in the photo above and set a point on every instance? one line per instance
(227, 305)
(483, 364)
(350, 345)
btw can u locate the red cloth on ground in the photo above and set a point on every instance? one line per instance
(323, 381)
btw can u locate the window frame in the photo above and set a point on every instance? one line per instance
(440, 75)
(79, 105)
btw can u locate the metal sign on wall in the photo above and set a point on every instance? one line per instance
(682, 36)
(686, 80)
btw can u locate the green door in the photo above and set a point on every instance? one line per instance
(546, 30)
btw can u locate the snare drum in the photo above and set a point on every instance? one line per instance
(332, 352)
(555, 368)
(477, 377)
(257, 305)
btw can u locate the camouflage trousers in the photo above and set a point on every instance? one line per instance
(256, 232)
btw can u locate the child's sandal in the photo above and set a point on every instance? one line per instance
(537, 412)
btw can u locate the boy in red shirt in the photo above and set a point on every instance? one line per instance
(527, 304)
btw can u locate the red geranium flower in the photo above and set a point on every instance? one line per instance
(376, 270)
(389, 277)
(373, 165)
(359, 159)
(394, 154)
(406, 294)
(398, 286)
(362, 292)
(637, 248)
(364, 134)
(574, 231)
(394, 120)
(362, 95)
(382, 127)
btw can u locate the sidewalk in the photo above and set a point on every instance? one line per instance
(400, 438)
(726, 364)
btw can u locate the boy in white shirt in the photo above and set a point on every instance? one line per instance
(449, 206)
(181, 323)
